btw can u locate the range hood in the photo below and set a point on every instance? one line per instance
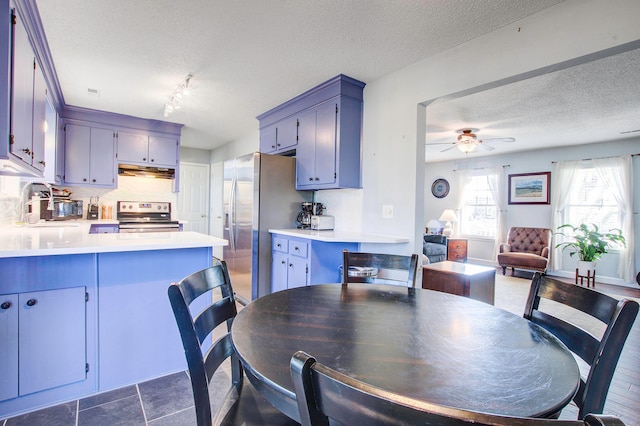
(146, 171)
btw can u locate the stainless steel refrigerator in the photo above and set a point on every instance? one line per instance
(259, 194)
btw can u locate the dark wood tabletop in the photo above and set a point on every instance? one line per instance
(433, 346)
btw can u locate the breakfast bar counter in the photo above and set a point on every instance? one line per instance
(86, 313)
(75, 239)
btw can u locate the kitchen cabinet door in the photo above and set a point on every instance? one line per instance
(133, 147)
(325, 144)
(269, 139)
(9, 346)
(279, 267)
(22, 93)
(102, 157)
(163, 151)
(39, 120)
(52, 346)
(316, 152)
(89, 156)
(298, 272)
(77, 152)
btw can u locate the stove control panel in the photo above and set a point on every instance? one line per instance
(144, 207)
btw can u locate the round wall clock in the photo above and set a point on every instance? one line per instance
(440, 188)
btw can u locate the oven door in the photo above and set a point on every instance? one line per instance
(148, 227)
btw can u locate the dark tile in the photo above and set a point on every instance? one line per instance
(105, 397)
(166, 395)
(63, 414)
(184, 417)
(123, 412)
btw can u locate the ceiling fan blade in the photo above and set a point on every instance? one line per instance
(447, 149)
(485, 147)
(508, 140)
(440, 143)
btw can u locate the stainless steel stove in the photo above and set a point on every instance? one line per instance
(137, 216)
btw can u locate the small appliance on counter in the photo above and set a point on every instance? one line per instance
(63, 209)
(308, 210)
(322, 223)
(92, 210)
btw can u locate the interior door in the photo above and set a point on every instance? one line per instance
(193, 198)
(216, 205)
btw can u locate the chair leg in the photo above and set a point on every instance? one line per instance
(504, 270)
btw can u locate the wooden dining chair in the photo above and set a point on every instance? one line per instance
(325, 395)
(601, 354)
(393, 268)
(198, 324)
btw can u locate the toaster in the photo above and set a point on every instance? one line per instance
(322, 223)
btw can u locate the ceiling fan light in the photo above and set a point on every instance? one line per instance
(466, 147)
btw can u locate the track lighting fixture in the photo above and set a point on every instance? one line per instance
(173, 102)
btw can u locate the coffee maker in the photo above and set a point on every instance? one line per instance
(308, 209)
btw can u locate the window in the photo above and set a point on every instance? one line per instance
(590, 202)
(479, 215)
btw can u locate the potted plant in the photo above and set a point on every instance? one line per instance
(589, 244)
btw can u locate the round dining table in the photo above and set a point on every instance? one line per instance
(424, 344)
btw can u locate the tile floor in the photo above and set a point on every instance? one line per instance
(168, 400)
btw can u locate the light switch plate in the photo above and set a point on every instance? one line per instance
(387, 211)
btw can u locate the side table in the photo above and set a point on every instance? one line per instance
(462, 279)
(457, 249)
(591, 279)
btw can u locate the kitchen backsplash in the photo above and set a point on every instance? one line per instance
(129, 189)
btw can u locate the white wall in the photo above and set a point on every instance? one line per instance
(393, 127)
(530, 215)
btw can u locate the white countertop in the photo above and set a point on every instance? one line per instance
(73, 238)
(340, 236)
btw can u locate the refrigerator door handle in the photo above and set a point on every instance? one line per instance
(232, 211)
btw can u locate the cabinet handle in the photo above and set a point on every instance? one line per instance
(278, 245)
(296, 248)
(291, 265)
(317, 178)
(31, 302)
(273, 146)
(93, 180)
(152, 160)
(144, 159)
(42, 162)
(26, 151)
(84, 179)
(283, 262)
(310, 179)
(5, 305)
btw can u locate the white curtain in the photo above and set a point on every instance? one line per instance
(463, 185)
(562, 184)
(617, 176)
(495, 177)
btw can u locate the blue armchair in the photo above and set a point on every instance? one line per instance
(435, 247)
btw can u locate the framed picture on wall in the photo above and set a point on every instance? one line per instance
(529, 188)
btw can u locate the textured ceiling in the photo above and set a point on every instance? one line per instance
(592, 102)
(247, 56)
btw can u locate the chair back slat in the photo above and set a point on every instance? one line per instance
(602, 354)
(223, 310)
(325, 396)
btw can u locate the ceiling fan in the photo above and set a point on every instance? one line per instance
(468, 141)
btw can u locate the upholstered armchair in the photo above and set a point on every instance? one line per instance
(434, 247)
(526, 248)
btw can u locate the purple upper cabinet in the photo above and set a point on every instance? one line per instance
(328, 127)
(24, 98)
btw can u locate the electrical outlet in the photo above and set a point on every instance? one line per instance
(387, 211)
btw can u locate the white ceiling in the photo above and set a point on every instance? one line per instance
(593, 101)
(247, 56)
